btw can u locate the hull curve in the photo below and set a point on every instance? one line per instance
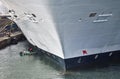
(70, 28)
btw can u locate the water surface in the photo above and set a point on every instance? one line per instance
(14, 66)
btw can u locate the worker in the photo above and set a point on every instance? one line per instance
(30, 49)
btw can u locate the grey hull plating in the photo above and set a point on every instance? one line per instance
(69, 28)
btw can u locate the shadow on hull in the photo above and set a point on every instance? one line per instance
(100, 60)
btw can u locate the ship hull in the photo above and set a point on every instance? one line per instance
(75, 31)
(85, 62)
(95, 60)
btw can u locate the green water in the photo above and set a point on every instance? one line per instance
(13, 66)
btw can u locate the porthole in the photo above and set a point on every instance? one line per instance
(110, 54)
(92, 14)
(96, 56)
(79, 60)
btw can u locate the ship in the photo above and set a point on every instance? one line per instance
(74, 33)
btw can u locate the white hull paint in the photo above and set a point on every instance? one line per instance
(69, 28)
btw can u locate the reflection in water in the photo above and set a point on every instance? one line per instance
(14, 66)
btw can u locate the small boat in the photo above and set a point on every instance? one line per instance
(26, 53)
